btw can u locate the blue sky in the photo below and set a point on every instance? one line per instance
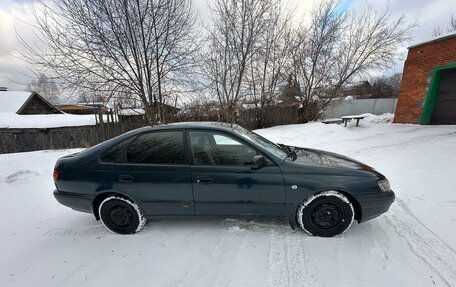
(346, 5)
(427, 13)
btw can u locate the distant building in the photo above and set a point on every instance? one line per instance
(83, 109)
(138, 113)
(167, 109)
(428, 88)
(25, 103)
(358, 90)
(78, 109)
(22, 110)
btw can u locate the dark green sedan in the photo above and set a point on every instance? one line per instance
(218, 169)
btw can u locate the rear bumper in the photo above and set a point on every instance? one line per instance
(373, 205)
(76, 201)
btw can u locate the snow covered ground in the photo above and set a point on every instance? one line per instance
(45, 244)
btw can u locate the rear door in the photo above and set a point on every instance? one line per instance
(224, 182)
(154, 170)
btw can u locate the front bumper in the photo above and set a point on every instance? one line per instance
(374, 204)
(76, 201)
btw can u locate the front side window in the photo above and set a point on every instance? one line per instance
(211, 148)
(261, 141)
(157, 148)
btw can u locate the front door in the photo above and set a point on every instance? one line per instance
(155, 171)
(224, 182)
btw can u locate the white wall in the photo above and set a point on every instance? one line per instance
(342, 108)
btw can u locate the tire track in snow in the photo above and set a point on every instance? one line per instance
(288, 264)
(216, 271)
(424, 243)
(202, 271)
(228, 262)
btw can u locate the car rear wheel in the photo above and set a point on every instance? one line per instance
(325, 214)
(121, 215)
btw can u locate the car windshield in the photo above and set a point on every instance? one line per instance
(261, 141)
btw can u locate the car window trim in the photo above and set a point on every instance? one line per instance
(190, 151)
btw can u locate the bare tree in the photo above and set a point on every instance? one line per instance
(343, 46)
(451, 27)
(232, 41)
(395, 83)
(45, 87)
(314, 57)
(386, 86)
(369, 42)
(268, 63)
(452, 24)
(139, 46)
(438, 31)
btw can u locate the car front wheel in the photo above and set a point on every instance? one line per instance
(121, 215)
(325, 214)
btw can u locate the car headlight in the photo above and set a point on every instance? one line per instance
(384, 185)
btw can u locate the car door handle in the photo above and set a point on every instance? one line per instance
(203, 179)
(125, 178)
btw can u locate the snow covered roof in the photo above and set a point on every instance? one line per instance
(248, 106)
(433, 39)
(131, 112)
(15, 102)
(8, 120)
(357, 84)
(12, 101)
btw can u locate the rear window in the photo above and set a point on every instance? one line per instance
(157, 148)
(113, 154)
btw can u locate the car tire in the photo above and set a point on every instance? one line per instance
(121, 215)
(325, 214)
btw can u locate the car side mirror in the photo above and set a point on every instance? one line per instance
(258, 162)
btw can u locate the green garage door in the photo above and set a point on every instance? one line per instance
(445, 106)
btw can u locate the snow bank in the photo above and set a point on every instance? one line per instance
(370, 118)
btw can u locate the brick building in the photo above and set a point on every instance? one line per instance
(428, 88)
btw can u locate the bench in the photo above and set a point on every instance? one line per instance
(332, 121)
(346, 119)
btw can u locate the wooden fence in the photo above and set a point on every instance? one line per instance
(30, 139)
(21, 140)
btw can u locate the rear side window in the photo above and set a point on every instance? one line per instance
(157, 148)
(114, 153)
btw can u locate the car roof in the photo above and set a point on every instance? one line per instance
(197, 125)
(219, 126)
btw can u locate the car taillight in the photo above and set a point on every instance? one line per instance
(56, 175)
